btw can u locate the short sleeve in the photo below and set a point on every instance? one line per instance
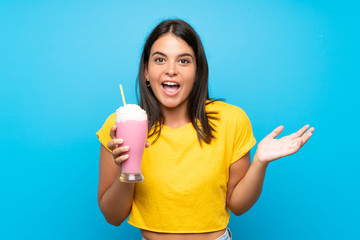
(104, 133)
(244, 138)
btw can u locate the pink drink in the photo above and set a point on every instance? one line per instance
(134, 135)
(131, 122)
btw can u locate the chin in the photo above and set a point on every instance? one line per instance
(171, 105)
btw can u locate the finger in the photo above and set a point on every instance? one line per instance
(300, 131)
(121, 159)
(112, 144)
(120, 150)
(276, 132)
(304, 138)
(113, 131)
(147, 144)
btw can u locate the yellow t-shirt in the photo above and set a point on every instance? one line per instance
(185, 184)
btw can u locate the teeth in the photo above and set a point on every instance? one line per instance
(170, 83)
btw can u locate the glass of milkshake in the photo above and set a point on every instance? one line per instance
(132, 123)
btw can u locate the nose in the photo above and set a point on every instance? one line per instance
(171, 69)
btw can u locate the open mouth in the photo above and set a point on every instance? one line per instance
(170, 86)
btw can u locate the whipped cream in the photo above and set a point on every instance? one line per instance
(130, 112)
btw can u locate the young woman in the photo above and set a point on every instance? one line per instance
(197, 166)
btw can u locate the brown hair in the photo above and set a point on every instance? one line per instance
(199, 94)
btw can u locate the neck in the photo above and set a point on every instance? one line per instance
(176, 117)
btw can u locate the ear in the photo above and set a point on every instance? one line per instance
(146, 74)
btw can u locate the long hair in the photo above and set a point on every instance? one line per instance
(199, 94)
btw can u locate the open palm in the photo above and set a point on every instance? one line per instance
(270, 148)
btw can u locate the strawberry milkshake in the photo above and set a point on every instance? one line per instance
(131, 122)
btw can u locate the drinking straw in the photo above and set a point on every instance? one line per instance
(122, 94)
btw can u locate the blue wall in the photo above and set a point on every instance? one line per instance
(283, 62)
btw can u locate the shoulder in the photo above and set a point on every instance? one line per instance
(108, 124)
(225, 109)
(111, 119)
(104, 133)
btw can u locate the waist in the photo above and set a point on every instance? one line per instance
(148, 235)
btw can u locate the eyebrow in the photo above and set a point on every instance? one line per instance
(180, 55)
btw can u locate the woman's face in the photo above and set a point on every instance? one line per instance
(171, 71)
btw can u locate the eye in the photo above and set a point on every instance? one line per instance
(184, 61)
(159, 59)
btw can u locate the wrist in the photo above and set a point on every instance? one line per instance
(259, 161)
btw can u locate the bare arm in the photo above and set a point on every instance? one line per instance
(114, 197)
(245, 189)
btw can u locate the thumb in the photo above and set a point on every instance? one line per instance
(113, 132)
(275, 132)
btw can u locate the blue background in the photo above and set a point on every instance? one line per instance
(283, 62)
